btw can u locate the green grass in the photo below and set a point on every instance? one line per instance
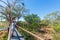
(5, 36)
(1, 26)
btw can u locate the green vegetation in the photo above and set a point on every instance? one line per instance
(4, 33)
(32, 22)
(26, 35)
(5, 36)
(54, 19)
(57, 28)
(1, 27)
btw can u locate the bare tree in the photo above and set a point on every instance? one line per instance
(11, 9)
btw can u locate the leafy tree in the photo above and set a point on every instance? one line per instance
(54, 19)
(13, 8)
(33, 21)
(44, 23)
(33, 18)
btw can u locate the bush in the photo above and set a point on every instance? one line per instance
(19, 23)
(57, 28)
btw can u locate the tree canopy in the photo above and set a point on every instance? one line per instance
(33, 18)
(53, 17)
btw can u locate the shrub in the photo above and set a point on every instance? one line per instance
(57, 28)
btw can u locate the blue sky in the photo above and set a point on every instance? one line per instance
(42, 7)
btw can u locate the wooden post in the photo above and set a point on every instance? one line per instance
(9, 32)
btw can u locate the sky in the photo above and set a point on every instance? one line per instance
(42, 7)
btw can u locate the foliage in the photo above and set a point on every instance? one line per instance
(54, 19)
(56, 28)
(21, 23)
(33, 21)
(26, 35)
(32, 18)
(5, 36)
(44, 23)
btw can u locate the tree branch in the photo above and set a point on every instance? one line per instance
(4, 14)
(14, 2)
(3, 2)
(2, 6)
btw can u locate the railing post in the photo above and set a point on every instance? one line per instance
(9, 34)
(8, 29)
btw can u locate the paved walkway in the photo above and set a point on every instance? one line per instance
(17, 36)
